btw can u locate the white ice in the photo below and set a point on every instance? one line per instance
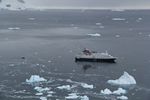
(117, 36)
(43, 98)
(122, 97)
(116, 92)
(118, 19)
(96, 34)
(14, 28)
(35, 78)
(72, 96)
(84, 85)
(106, 91)
(125, 79)
(98, 23)
(31, 18)
(40, 89)
(66, 87)
(38, 94)
(84, 97)
(120, 91)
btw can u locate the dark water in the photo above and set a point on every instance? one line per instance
(51, 40)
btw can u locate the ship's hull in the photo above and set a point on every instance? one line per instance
(105, 60)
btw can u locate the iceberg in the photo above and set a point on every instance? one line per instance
(66, 87)
(117, 36)
(14, 28)
(43, 98)
(118, 19)
(120, 91)
(40, 89)
(38, 94)
(116, 92)
(84, 98)
(125, 79)
(35, 78)
(96, 34)
(106, 92)
(122, 98)
(84, 85)
(72, 96)
(98, 23)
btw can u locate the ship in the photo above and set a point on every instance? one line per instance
(92, 56)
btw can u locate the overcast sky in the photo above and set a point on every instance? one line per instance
(92, 3)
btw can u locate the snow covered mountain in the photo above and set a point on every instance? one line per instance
(13, 4)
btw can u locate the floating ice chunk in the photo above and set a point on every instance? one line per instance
(66, 87)
(106, 92)
(140, 18)
(84, 85)
(40, 89)
(84, 97)
(125, 79)
(122, 97)
(118, 10)
(120, 91)
(118, 19)
(38, 94)
(43, 98)
(101, 26)
(98, 23)
(14, 28)
(31, 18)
(96, 34)
(72, 96)
(35, 78)
(117, 36)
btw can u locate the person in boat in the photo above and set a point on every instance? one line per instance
(87, 51)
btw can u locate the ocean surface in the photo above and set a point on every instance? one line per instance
(45, 43)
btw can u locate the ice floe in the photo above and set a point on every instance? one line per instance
(43, 98)
(39, 94)
(84, 85)
(122, 97)
(96, 34)
(118, 19)
(72, 96)
(116, 92)
(75, 96)
(125, 79)
(118, 10)
(35, 78)
(106, 91)
(66, 87)
(117, 36)
(120, 91)
(14, 28)
(98, 24)
(84, 97)
(31, 18)
(139, 19)
(40, 89)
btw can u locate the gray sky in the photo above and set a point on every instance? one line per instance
(92, 3)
